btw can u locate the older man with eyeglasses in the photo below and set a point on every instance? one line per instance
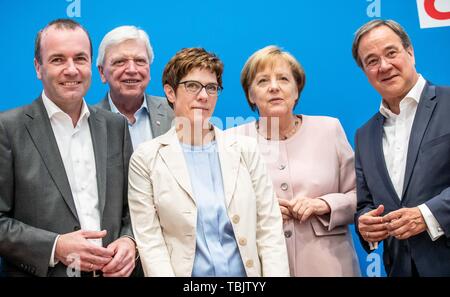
(124, 59)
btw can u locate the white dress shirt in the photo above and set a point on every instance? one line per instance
(77, 152)
(396, 133)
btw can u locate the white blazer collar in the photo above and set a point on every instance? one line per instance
(229, 156)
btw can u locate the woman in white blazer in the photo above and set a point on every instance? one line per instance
(201, 203)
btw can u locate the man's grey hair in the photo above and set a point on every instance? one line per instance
(367, 27)
(121, 34)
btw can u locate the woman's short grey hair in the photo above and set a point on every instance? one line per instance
(121, 34)
(366, 28)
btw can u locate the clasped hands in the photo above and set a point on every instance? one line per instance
(302, 208)
(117, 259)
(402, 224)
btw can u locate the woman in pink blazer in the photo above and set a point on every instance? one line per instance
(311, 165)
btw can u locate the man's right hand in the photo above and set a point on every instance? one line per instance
(371, 226)
(75, 246)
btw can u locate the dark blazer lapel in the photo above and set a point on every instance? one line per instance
(380, 160)
(421, 120)
(41, 132)
(97, 124)
(156, 115)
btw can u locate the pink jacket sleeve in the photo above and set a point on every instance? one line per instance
(342, 203)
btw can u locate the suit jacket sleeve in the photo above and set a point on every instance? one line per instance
(364, 197)
(440, 208)
(25, 246)
(343, 203)
(146, 226)
(270, 240)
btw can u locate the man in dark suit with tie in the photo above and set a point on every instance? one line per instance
(63, 171)
(124, 58)
(403, 157)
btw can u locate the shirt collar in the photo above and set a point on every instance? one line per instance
(209, 147)
(114, 109)
(413, 94)
(53, 109)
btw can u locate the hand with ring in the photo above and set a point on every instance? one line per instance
(371, 225)
(405, 222)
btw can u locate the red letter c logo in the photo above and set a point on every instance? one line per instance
(430, 8)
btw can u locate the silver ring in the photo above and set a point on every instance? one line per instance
(367, 234)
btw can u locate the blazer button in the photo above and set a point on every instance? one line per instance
(287, 233)
(242, 241)
(236, 219)
(76, 228)
(249, 263)
(284, 186)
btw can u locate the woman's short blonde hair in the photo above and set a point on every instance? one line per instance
(268, 56)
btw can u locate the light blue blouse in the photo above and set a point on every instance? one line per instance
(140, 131)
(216, 253)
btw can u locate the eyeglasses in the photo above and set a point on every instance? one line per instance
(195, 87)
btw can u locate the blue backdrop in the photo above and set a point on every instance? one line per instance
(319, 33)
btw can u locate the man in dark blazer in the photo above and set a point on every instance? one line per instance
(63, 171)
(124, 58)
(403, 157)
